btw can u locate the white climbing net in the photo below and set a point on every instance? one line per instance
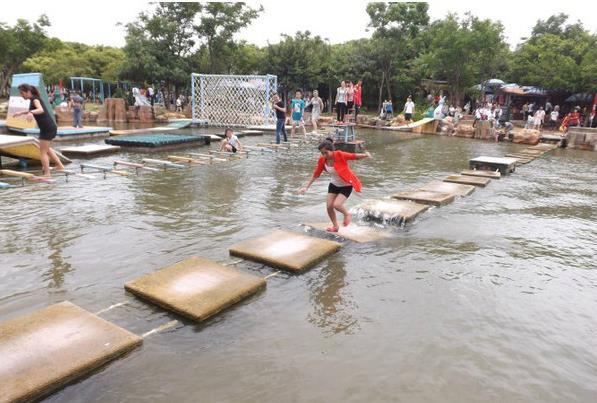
(233, 100)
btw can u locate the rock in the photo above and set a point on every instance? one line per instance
(464, 130)
(398, 121)
(527, 136)
(161, 118)
(92, 117)
(113, 110)
(484, 130)
(582, 138)
(63, 114)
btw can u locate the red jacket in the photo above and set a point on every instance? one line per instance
(341, 167)
(358, 95)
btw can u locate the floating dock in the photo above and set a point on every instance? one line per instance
(90, 150)
(68, 133)
(21, 147)
(157, 142)
(172, 125)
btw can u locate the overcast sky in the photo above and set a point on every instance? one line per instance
(94, 23)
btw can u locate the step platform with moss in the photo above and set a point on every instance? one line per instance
(158, 142)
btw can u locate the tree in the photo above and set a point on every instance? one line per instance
(300, 61)
(464, 52)
(159, 45)
(18, 43)
(557, 56)
(217, 25)
(397, 28)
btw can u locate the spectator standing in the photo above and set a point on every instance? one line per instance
(409, 109)
(350, 98)
(76, 103)
(358, 98)
(341, 94)
(280, 118)
(316, 107)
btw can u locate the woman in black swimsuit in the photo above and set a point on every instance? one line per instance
(47, 127)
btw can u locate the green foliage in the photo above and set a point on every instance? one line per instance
(464, 52)
(557, 56)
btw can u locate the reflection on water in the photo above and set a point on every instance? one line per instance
(490, 298)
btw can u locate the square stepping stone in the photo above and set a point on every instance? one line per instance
(426, 197)
(89, 150)
(445, 187)
(467, 180)
(196, 287)
(353, 232)
(390, 210)
(543, 147)
(44, 350)
(532, 151)
(286, 250)
(482, 174)
(504, 165)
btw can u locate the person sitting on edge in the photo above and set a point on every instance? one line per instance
(297, 105)
(230, 143)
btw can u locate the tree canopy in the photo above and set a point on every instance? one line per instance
(171, 40)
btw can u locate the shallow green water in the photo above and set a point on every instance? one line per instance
(491, 298)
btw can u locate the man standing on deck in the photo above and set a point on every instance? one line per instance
(76, 103)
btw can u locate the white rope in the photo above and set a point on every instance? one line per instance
(112, 307)
(165, 326)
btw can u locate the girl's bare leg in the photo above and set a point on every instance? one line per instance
(56, 159)
(44, 147)
(330, 208)
(314, 123)
(339, 205)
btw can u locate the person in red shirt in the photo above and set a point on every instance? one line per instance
(358, 99)
(342, 180)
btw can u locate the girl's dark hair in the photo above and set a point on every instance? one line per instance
(228, 130)
(327, 144)
(27, 88)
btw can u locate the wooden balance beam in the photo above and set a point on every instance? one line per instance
(25, 175)
(163, 163)
(135, 165)
(209, 157)
(187, 160)
(104, 170)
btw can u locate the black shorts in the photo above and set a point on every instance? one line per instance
(233, 148)
(408, 116)
(343, 190)
(349, 105)
(48, 133)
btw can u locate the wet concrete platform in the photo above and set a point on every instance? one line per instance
(504, 165)
(468, 180)
(445, 187)
(426, 197)
(196, 288)
(286, 250)
(390, 210)
(353, 232)
(53, 346)
(482, 173)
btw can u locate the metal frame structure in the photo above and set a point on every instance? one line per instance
(82, 80)
(233, 100)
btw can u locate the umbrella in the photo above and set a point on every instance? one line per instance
(580, 97)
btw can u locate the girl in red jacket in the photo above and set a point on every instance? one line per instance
(342, 180)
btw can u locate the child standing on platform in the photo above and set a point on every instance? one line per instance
(297, 105)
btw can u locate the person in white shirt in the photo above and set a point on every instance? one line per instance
(409, 109)
(553, 119)
(231, 143)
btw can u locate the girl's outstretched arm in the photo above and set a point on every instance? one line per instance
(304, 190)
(367, 154)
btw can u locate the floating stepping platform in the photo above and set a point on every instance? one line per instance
(532, 151)
(521, 159)
(68, 133)
(504, 165)
(353, 232)
(543, 147)
(252, 132)
(426, 197)
(157, 142)
(446, 187)
(482, 174)
(390, 210)
(286, 250)
(53, 346)
(90, 150)
(468, 180)
(175, 124)
(196, 288)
